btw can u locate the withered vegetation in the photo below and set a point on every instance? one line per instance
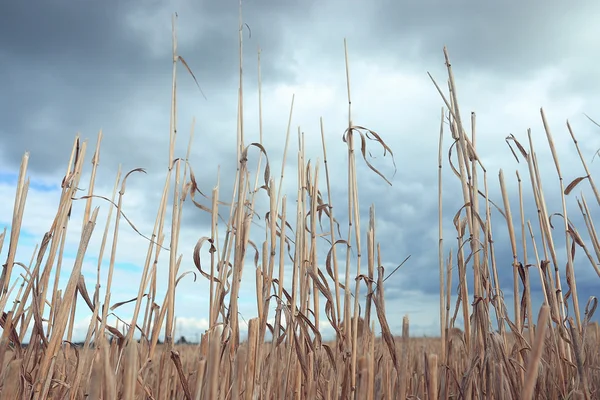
(550, 353)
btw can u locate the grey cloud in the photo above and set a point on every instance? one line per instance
(82, 67)
(493, 37)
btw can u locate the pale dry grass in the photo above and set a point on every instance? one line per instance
(558, 358)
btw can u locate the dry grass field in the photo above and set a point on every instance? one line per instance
(550, 352)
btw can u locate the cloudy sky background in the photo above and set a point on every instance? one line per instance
(69, 67)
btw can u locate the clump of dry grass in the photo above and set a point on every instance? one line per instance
(556, 358)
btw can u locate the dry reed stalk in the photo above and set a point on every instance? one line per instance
(513, 245)
(441, 238)
(131, 370)
(465, 175)
(536, 354)
(404, 371)
(18, 208)
(432, 381)
(349, 364)
(570, 272)
(525, 265)
(371, 363)
(253, 354)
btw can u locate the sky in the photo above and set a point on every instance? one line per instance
(78, 67)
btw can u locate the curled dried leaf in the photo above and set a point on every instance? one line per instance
(590, 309)
(367, 134)
(82, 289)
(122, 303)
(386, 332)
(328, 259)
(185, 64)
(267, 173)
(14, 337)
(183, 275)
(574, 184)
(123, 215)
(182, 378)
(512, 138)
(196, 257)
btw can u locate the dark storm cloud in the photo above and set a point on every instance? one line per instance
(68, 67)
(58, 60)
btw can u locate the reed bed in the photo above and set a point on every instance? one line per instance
(547, 353)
